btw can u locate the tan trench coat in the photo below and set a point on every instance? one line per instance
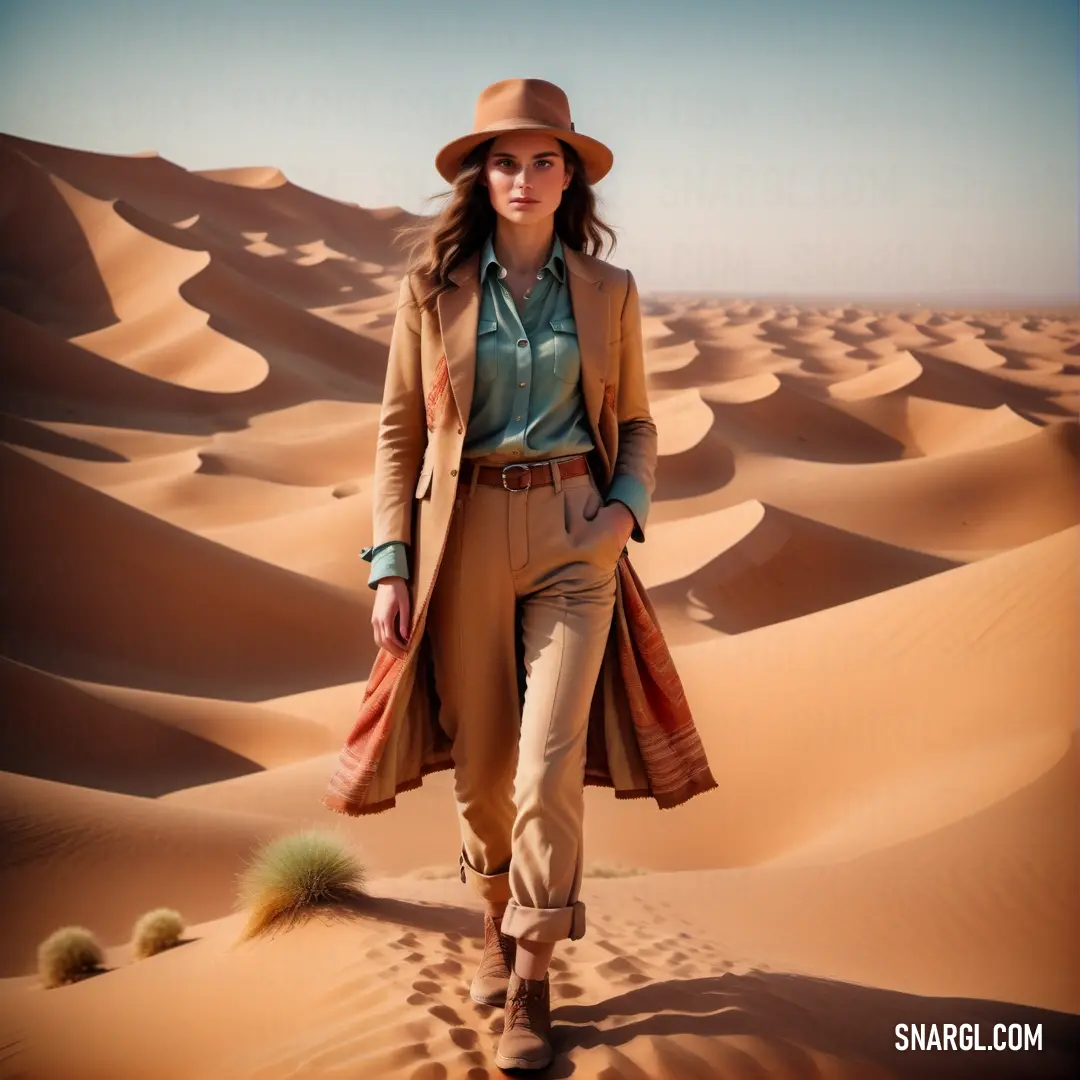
(641, 740)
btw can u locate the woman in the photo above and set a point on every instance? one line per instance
(516, 457)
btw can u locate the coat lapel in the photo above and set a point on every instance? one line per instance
(459, 314)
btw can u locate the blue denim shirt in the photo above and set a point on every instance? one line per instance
(527, 403)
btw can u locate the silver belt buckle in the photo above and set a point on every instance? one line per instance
(527, 468)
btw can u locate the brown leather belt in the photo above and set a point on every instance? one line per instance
(520, 477)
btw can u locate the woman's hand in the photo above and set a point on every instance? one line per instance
(623, 520)
(390, 616)
(616, 516)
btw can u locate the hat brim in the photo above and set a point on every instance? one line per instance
(596, 158)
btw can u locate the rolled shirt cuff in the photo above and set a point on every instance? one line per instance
(632, 494)
(387, 560)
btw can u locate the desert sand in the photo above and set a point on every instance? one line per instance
(863, 547)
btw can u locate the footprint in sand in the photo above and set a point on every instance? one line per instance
(685, 971)
(446, 1015)
(474, 1057)
(465, 1038)
(430, 1070)
(622, 969)
(427, 987)
(420, 1030)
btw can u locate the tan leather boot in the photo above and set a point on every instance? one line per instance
(493, 975)
(526, 1039)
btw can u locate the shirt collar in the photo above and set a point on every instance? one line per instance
(556, 264)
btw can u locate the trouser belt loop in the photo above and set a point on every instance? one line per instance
(556, 477)
(473, 481)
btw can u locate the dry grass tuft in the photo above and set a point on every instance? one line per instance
(68, 955)
(292, 876)
(155, 932)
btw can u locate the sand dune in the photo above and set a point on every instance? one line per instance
(116, 594)
(77, 849)
(784, 566)
(863, 549)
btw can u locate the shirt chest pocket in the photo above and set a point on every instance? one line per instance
(487, 352)
(566, 356)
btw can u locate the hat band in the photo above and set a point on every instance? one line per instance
(523, 122)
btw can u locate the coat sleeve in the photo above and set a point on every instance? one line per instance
(402, 427)
(634, 476)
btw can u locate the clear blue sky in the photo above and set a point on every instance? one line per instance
(847, 147)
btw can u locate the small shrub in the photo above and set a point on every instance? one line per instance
(292, 875)
(68, 955)
(155, 932)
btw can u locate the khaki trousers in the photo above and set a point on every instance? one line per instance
(524, 575)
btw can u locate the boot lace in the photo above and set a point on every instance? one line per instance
(527, 1002)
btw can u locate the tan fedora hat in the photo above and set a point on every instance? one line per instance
(524, 105)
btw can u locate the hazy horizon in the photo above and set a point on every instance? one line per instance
(903, 149)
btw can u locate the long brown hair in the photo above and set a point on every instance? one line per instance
(438, 245)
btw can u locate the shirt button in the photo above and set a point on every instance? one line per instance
(521, 384)
(517, 417)
(522, 343)
(453, 472)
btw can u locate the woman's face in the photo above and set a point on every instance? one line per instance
(526, 165)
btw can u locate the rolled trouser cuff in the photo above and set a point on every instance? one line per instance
(493, 887)
(544, 924)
